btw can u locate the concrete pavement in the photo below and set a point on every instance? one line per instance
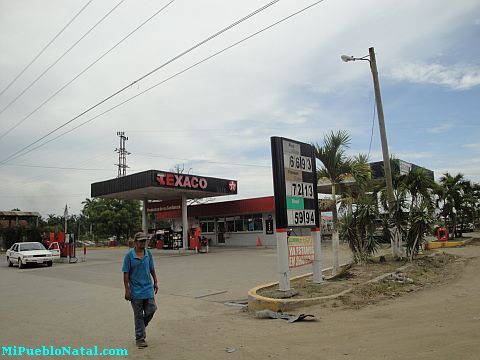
(82, 304)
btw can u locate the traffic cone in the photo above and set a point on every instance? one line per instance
(259, 243)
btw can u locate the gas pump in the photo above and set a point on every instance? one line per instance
(64, 244)
(194, 236)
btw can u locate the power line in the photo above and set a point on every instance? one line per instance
(140, 79)
(19, 154)
(45, 48)
(58, 59)
(82, 72)
(12, 156)
(58, 167)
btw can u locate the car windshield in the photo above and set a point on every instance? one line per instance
(30, 247)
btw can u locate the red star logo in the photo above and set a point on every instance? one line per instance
(232, 186)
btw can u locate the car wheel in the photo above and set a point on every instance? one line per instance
(49, 263)
(20, 265)
(10, 264)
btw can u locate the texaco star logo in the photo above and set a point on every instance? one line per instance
(232, 186)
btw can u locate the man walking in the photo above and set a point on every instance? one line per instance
(138, 270)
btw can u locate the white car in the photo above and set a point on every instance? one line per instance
(28, 253)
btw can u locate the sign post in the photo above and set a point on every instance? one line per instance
(296, 197)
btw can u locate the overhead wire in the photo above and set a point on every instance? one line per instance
(45, 48)
(21, 153)
(13, 156)
(83, 71)
(58, 167)
(58, 59)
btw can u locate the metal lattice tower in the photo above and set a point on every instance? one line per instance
(122, 154)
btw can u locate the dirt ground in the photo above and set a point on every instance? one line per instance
(442, 321)
(367, 286)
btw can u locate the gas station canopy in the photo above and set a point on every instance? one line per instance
(162, 185)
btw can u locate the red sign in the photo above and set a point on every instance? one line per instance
(182, 181)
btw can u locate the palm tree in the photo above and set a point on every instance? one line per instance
(335, 166)
(420, 221)
(450, 194)
(419, 185)
(359, 228)
(362, 173)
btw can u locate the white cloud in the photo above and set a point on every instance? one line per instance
(456, 77)
(440, 128)
(414, 155)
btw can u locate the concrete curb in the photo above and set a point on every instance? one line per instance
(258, 302)
(447, 244)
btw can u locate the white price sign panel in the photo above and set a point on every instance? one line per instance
(300, 189)
(298, 162)
(301, 217)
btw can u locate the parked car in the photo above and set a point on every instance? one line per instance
(28, 253)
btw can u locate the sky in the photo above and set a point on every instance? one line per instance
(216, 118)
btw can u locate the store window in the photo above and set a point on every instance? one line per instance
(238, 223)
(207, 225)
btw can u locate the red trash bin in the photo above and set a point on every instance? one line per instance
(442, 234)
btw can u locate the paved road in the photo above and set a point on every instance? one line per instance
(82, 304)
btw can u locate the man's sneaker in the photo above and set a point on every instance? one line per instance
(141, 344)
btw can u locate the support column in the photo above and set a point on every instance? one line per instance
(144, 217)
(184, 222)
(282, 260)
(317, 250)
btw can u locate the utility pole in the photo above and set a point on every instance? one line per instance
(383, 134)
(122, 154)
(396, 239)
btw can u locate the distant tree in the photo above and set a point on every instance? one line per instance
(16, 209)
(112, 217)
(180, 169)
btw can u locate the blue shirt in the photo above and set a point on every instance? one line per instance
(139, 278)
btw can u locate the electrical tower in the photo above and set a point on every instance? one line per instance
(122, 154)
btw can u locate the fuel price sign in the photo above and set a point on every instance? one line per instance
(295, 183)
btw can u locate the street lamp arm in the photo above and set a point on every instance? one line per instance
(347, 58)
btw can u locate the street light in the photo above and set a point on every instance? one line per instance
(381, 121)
